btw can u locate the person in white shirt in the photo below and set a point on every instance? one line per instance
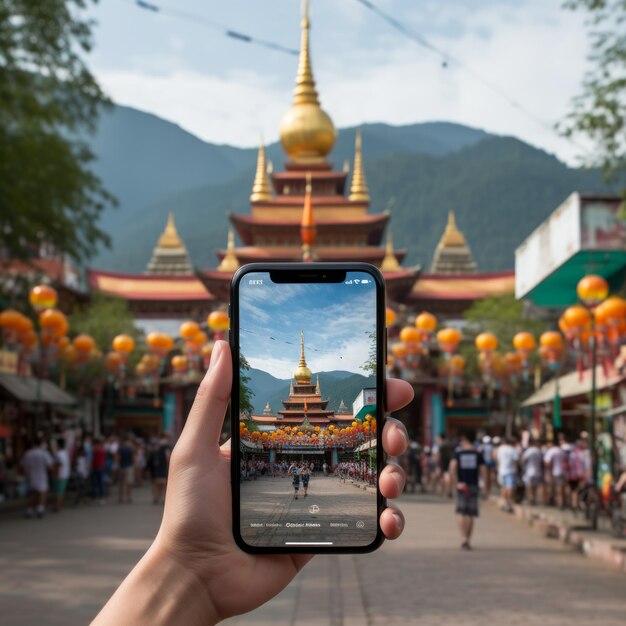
(62, 458)
(554, 461)
(36, 463)
(532, 463)
(507, 457)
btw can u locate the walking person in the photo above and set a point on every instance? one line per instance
(294, 472)
(305, 474)
(81, 474)
(465, 470)
(532, 466)
(507, 457)
(554, 462)
(36, 463)
(63, 470)
(126, 463)
(487, 450)
(158, 465)
(98, 464)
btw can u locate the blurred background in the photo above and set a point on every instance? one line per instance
(473, 150)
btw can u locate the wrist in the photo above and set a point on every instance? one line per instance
(160, 590)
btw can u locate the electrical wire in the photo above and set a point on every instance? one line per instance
(448, 59)
(212, 25)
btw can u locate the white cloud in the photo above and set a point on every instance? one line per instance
(534, 51)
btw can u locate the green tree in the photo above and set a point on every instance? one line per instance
(501, 315)
(103, 319)
(245, 393)
(48, 97)
(598, 112)
(370, 365)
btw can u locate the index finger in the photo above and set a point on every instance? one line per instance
(399, 394)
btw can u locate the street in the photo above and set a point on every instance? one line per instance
(268, 504)
(61, 569)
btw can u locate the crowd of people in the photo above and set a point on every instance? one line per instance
(550, 473)
(94, 469)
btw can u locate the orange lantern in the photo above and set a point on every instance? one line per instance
(53, 322)
(449, 339)
(151, 362)
(84, 344)
(188, 330)
(141, 370)
(218, 321)
(426, 322)
(179, 363)
(524, 342)
(199, 340)
(457, 363)
(62, 343)
(390, 317)
(70, 355)
(399, 350)
(124, 344)
(10, 319)
(42, 297)
(486, 342)
(29, 339)
(612, 309)
(552, 339)
(576, 317)
(160, 343)
(592, 289)
(513, 361)
(410, 334)
(113, 361)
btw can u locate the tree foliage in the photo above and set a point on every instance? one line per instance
(599, 111)
(48, 194)
(103, 319)
(245, 393)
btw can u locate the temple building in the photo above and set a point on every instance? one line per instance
(452, 255)
(167, 291)
(310, 211)
(305, 407)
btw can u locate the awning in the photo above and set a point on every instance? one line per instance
(30, 389)
(571, 385)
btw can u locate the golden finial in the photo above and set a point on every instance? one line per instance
(346, 166)
(358, 188)
(170, 238)
(261, 188)
(302, 374)
(390, 262)
(318, 390)
(230, 262)
(306, 131)
(452, 237)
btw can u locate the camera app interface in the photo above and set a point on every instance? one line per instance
(308, 413)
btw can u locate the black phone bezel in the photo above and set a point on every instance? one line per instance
(306, 270)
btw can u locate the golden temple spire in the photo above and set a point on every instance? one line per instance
(358, 188)
(452, 237)
(306, 131)
(261, 188)
(170, 237)
(390, 262)
(302, 373)
(318, 390)
(230, 262)
(308, 232)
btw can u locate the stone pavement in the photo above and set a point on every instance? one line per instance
(60, 570)
(268, 505)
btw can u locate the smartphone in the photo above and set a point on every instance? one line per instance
(308, 345)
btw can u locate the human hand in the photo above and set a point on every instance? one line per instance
(195, 544)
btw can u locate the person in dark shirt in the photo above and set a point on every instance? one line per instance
(126, 464)
(465, 468)
(97, 470)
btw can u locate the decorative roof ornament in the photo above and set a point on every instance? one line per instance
(452, 255)
(358, 188)
(302, 373)
(267, 411)
(343, 409)
(307, 133)
(230, 262)
(261, 188)
(170, 257)
(390, 262)
(308, 231)
(318, 390)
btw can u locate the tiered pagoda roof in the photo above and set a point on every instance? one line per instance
(452, 255)
(170, 256)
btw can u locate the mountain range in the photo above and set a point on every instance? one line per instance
(500, 187)
(335, 386)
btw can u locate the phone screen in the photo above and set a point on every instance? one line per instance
(308, 412)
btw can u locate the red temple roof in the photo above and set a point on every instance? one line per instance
(463, 286)
(142, 287)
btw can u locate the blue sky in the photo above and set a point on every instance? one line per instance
(229, 92)
(336, 320)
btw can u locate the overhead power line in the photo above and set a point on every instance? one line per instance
(202, 20)
(448, 59)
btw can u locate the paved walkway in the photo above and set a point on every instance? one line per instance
(61, 569)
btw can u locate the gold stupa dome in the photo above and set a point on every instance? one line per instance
(302, 373)
(306, 131)
(452, 237)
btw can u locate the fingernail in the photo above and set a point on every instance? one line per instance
(398, 521)
(216, 354)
